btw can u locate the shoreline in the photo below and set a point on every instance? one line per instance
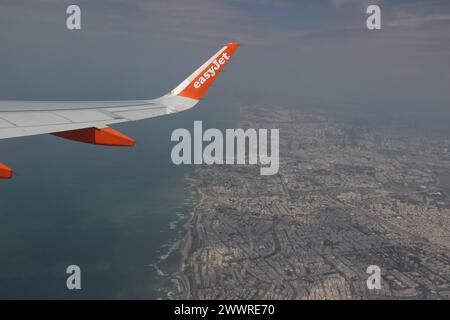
(187, 243)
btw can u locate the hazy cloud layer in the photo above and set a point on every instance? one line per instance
(305, 51)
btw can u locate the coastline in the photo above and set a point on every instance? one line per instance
(187, 242)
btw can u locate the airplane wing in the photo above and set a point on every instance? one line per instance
(89, 121)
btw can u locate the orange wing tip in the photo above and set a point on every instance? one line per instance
(196, 85)
(5, 172)
(234, 45)
(104, 136)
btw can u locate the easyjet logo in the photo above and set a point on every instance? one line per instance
(213, 70)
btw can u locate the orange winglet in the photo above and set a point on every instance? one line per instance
(206, 74)
(104, 136)
(5, 172)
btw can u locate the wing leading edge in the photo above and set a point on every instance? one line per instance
(89, 121)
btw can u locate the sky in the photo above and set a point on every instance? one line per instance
(296, 50)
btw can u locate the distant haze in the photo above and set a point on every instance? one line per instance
(293, 50)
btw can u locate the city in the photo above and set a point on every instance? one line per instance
(345, 197)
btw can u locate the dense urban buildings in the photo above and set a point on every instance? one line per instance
(346, 197)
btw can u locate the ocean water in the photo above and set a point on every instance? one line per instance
(104, 209)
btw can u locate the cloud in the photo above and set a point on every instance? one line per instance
(346, 3)
(291, 51)
(416, 21)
